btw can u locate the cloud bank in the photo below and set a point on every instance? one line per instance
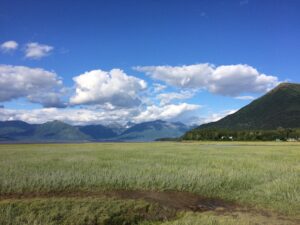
(227, 80)
(99, 96)
(166, 112)
(98, 116)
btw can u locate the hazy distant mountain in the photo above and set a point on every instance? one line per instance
(13, 130)
(116, 128)
(129, 125)
(149, 131)
(50, 131)
(57, 131)
(278, 108)
(98, 132)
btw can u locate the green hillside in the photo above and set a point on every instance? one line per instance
(274, 116)
(12, 130)
(278, 108)
(58, 131)
(97, 132)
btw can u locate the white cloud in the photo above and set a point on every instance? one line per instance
(159, 87)
(228, 80)
(232, 80)
(69, 115)
(114, 96)
(114, 87)
(166, 98)
(166, 112)
(99, 116)
(35, 50)
(9, 46)
(245, 97)
(193, 76)
(35, 84)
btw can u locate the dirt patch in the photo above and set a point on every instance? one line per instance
(175, 200)
(178, 201)
(171, 199)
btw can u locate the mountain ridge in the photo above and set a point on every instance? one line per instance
(58, 131)
(148, 131)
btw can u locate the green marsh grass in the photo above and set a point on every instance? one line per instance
(259, 175)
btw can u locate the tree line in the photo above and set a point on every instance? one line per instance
(283, 134)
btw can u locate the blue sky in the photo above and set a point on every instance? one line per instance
(102, 61)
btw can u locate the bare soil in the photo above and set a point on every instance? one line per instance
(171, 199)
(179, 201)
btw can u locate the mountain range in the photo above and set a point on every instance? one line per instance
(279, 108)
(58, 131)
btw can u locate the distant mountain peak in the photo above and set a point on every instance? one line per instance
(285, 86)
(152, 130)
(56, 122)
(129, 124)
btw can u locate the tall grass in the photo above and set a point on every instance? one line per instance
(82, 211)
(263, 175)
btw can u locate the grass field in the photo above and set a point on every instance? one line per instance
(62, 183)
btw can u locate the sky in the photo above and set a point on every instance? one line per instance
(115, 61)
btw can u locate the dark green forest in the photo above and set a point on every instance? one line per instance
(283, 134)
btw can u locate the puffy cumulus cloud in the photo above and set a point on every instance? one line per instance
(166, 98)
(232, 80)
(114, 87)
(9, 46)
(192, 76)
(166, 112)
(228, 80)
(35, 50)
(35, 84)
